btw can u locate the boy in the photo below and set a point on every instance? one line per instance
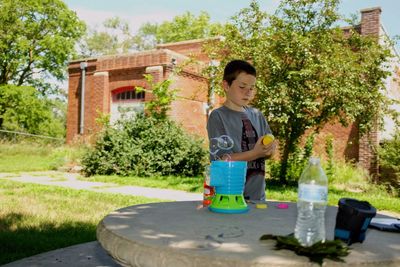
(245, 125)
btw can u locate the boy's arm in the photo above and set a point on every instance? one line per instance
(259, 151)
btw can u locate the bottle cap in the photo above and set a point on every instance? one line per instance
(314, 160)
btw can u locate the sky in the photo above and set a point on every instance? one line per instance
(137, 12)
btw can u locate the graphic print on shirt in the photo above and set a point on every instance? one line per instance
(249, 139)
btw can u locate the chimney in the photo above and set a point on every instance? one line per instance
(371, 21)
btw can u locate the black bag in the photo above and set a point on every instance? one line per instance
(352, 220)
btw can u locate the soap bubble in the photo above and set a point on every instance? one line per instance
(214, 146)
(224, 142)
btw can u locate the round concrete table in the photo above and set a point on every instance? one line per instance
(178, 234)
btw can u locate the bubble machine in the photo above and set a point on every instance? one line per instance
(228, 179)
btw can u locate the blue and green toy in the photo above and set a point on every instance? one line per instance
(228, 179)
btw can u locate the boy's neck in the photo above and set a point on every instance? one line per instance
(233, 106)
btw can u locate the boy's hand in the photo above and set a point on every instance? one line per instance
(271, 148)
(264, 150)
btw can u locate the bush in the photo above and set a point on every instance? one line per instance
(145, 146)
(389, 161)
(297, 161)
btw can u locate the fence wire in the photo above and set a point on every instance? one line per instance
(17, 136)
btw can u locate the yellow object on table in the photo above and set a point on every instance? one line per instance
(261, 206)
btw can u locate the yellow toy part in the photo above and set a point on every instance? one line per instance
(268, 138)
(261, 206)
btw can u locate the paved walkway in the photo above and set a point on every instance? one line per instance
(87, 254)
(70, 180)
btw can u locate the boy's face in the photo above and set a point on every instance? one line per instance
(241, 92)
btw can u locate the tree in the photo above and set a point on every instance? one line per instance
(114, 39)
(163, 96)
(309, 72)
(37, 40)
(117, 37)
(23, 109)
(181, 28)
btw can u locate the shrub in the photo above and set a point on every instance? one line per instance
(389, 160)
(298, 160)
(330, 153)
(145, 146)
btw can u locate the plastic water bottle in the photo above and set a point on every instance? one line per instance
(311, 204)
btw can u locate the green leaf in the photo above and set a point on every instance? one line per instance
(333, 249)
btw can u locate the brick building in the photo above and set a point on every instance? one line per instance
(109, 87)
(110, 81)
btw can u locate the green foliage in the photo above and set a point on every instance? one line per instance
(158, 106)
(116, 38)
(145, 146)
(389, 159)
(22, 109)
(330, 153)
(37, 40)
(389, 153)
(298, 160)
(309, 73)
(344, 175)
(181, 28)
(351, 178)
(331, 249)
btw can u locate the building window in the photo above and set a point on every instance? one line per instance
(130, 95)
(126, 103)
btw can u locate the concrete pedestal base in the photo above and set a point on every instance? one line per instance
(177, 234)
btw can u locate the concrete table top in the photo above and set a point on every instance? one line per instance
(179, 234)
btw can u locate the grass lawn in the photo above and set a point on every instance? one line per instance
(36, 218)
(382, 201)
(29, 156)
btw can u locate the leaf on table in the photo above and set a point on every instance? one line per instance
(333, 249)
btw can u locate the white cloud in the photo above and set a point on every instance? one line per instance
(95, 18)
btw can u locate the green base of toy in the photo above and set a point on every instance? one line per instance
(228, 204)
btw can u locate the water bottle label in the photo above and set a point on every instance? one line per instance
(314, 193)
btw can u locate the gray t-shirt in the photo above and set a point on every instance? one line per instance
(224, 121)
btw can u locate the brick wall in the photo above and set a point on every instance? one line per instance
(74, 98)
(105, 74)
(191, 48)
(190, 105)
(345, 141)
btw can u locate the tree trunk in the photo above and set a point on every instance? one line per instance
(284, 163)
(289, 148)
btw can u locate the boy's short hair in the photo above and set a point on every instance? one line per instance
(235, 67)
